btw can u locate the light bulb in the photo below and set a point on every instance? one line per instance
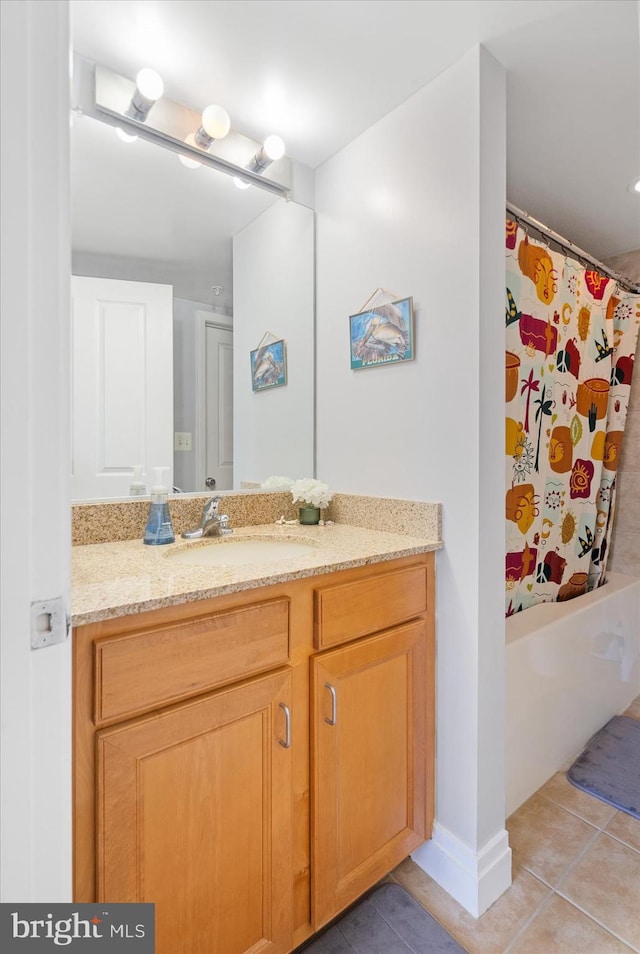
(274, 147)
(240, 183)
(124, 136)
(150, 84)
(187, 161)
(636, 186)
(216, 122)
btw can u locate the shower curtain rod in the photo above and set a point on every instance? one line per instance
(518, 214)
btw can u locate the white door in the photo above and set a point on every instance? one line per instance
(122, 384)
(35, 557)
(219, 407)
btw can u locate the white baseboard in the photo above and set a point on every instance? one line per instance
(474, 880)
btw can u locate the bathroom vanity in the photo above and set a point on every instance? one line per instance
(256, 751)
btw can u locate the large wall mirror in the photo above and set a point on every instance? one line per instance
(178, 276)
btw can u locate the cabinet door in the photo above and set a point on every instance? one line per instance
(370, 763)
(194, 814)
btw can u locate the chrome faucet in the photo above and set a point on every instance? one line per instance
(212, 524)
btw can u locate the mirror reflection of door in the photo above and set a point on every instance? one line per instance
(219, 407)
(122, 384)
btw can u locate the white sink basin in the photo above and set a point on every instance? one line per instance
(239, 552)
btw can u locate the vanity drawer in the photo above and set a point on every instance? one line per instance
(149, 668)
(350, 610)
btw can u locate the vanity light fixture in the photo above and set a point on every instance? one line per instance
(107, 96)
(272, 149)
(215, 125)
(149, 89)
(186, 161)
(124, 136)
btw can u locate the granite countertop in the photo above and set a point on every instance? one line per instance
(116, 579)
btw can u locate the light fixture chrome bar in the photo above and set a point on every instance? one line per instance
(161, 138)
(203, 139)
(140, 106)
(259, 162)
(529, 220)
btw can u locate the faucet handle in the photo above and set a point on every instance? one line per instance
(210, 509)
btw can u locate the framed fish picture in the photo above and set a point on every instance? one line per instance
(269, 366)
(382, 335)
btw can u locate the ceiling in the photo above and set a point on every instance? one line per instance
(310, 70)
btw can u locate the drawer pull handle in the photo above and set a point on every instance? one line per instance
(286, 742)
(334, 705)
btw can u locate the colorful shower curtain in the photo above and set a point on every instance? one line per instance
(570, 344)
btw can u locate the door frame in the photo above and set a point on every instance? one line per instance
(214, 319)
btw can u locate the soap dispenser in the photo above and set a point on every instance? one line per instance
(159, 527)
(137, 488)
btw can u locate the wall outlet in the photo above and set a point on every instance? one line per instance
(182, 441)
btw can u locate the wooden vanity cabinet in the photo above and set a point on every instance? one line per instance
(369, 763)
(208, 778)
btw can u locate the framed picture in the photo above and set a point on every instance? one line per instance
(269, 366)
(382, 335)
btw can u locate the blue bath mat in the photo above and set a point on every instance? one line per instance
(386, 921)
(609, 767)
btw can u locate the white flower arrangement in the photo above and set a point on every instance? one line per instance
(277, 483)
(314, 493)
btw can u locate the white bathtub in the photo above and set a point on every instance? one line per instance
(570, 667)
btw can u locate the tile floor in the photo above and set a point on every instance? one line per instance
(576, 880)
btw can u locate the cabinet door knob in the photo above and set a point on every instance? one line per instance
(334, 704)
(286, 742)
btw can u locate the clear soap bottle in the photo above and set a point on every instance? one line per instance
(159, 528)
(137, 488)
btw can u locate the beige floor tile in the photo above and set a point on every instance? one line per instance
(546, 839)
(559, 928)
(626, 828)
(560, 790)
(606, 883)
(492, 932)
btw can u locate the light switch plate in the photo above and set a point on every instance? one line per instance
(182, 441)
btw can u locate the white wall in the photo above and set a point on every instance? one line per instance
(189, 279)
(416, 205)
(273, 290)
(35, 474)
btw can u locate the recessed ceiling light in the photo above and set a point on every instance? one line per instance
(635, 186)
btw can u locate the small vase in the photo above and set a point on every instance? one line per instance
(310, 515)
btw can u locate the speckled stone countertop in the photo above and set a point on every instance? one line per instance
(116, 579)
